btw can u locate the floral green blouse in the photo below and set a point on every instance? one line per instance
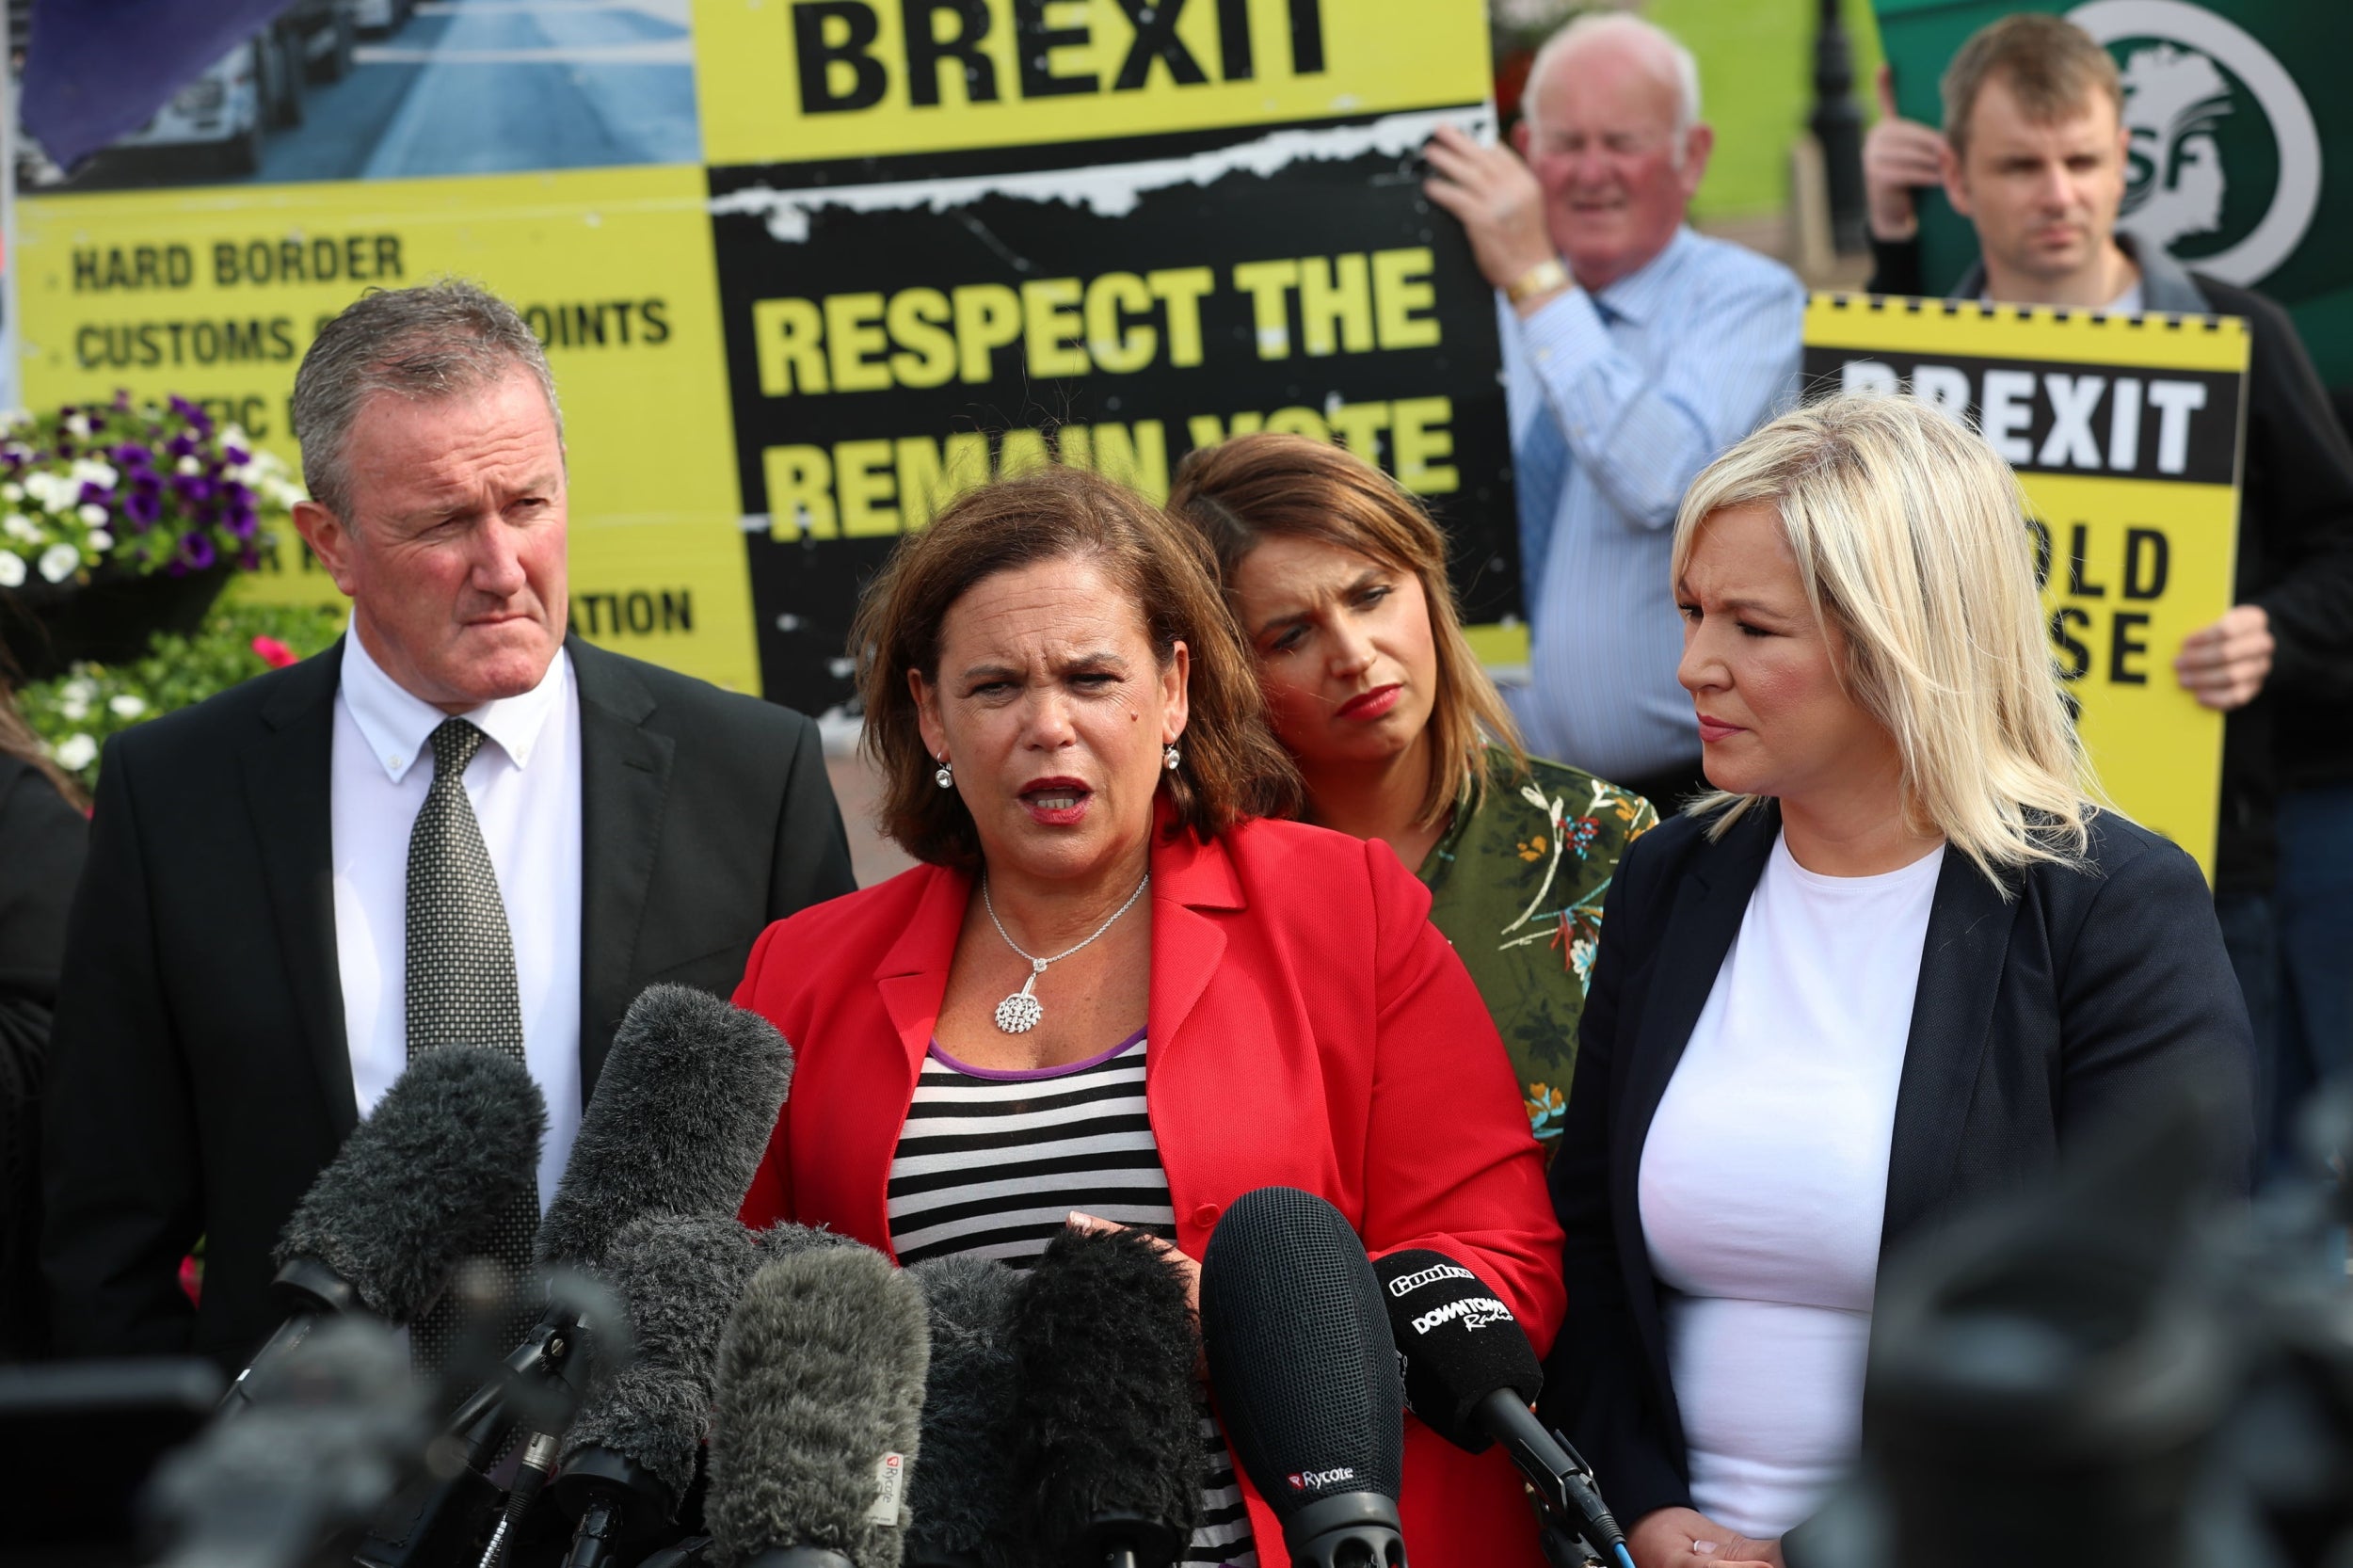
(1516, 886)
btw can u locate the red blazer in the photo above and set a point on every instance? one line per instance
(1308, 1027)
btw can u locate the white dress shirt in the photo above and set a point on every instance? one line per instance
(1764, 1184)
(526, 789)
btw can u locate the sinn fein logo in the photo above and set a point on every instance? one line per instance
(1314, 1480)
(1406, 1285)
(2224, 157)
(1475, 1311)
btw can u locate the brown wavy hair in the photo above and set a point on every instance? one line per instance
(1233, 768)
(17, 740)
(1273, 485)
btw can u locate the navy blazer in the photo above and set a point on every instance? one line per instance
(2089, 994)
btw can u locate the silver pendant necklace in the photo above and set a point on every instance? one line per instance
(1019, 1012)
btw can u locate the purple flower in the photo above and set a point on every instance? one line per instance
(131, 455)
(196, 552)
(92, 492)
(65, 446)
(195, 490)
(143, 503)
(122, 399)
(236, 455)
(242, 520)
(180, 445)
(250, 559)
(197, 418)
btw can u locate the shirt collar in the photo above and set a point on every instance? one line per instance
(1634, 298)
(398, 725)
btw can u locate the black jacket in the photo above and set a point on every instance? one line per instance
(2089, 995)
(42, 841)
(200, 1073)
(2295, 555)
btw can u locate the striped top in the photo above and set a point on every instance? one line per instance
(992, 1162)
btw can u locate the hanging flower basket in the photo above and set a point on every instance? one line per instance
(120, 520)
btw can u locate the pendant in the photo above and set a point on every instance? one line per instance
(1018, 1014)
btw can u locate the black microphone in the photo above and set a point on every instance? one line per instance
(413, 1191)
(1106, 1346)
(1306, 1376)
(632, 1453)
(683, 1109)
(1470, 1375)
(967, 1494)
(821, 1397)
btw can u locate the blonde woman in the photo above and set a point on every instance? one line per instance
(1897, 962)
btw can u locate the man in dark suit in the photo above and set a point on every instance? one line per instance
(456, 825)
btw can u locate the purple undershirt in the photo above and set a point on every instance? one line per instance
(1026, 1074)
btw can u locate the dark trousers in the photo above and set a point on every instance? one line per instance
(2315, 934)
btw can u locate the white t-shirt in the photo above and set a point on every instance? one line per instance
(1763, 1182)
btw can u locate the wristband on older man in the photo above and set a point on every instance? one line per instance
(1544, 277)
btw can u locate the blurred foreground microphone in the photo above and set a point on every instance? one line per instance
(682, 1115)
(336, 1427)
(1306, 1376)
(632, 1454)
(1470, 1375)
(967, 1495)
(821, 1394)
(1106, 1349)
(413, 1191)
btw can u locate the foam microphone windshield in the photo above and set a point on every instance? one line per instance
(683, 1107)
(416, 1187)
(1306, 1377)
(1470, 1375)
(967, 1494)
(631, 1453)
(820, 1397)
(1106, 1347)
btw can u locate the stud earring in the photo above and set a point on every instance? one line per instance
(1170, 758)
(945, 777)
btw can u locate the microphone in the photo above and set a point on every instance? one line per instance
(1306, 1376)
(631, 1453)
(821, 1394)
(412, 1193)
(966, 1492)
(682, 1115)
(337, 1425)
(1105, 1348)
(1470, 1375)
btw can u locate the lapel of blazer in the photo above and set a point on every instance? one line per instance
(624, 783)
(289, 789)
(1961, 962)
(1189, 878)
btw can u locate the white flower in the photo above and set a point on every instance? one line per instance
(54, 491)
(16, 525)
(59, 562)
(187, 465)
(73, 712)
(12, 492)
(234, 435)
(100, 540)
(80, 688)
(89, 471)
(76, 752)
(77, 425)
(11, 569)
(93, 513)
(127, 705)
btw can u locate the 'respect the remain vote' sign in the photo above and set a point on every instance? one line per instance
(2124, 432)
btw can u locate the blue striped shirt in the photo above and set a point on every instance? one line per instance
(1617, 401)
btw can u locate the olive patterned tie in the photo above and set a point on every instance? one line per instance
(461, 984)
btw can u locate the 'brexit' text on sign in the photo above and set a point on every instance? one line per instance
(2124, 432)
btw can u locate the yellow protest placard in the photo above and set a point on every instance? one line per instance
(2125, 432)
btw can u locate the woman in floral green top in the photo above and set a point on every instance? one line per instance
(1339, 580)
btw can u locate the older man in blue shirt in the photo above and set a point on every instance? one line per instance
(1636, 350)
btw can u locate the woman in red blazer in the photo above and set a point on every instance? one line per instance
(1225, 1002)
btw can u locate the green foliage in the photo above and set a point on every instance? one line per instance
(75, 714)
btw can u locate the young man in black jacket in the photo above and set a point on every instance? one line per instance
(2033, 153)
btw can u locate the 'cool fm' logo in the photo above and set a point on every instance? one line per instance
(2224, 159)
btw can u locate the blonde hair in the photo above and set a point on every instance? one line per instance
(1911, 540)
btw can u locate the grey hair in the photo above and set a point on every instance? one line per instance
(437, 340)
(1590, 26)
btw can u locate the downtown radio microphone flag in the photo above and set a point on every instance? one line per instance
(821, 1399)
(1306, 1376)
(1470, 1375)
(410, 1195)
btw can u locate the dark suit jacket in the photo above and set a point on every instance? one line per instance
(42, 841)
(202, 1077)
(2088, 997)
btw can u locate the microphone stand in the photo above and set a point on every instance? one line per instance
(1561, 1480)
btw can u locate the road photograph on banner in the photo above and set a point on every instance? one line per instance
(2126, 433)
